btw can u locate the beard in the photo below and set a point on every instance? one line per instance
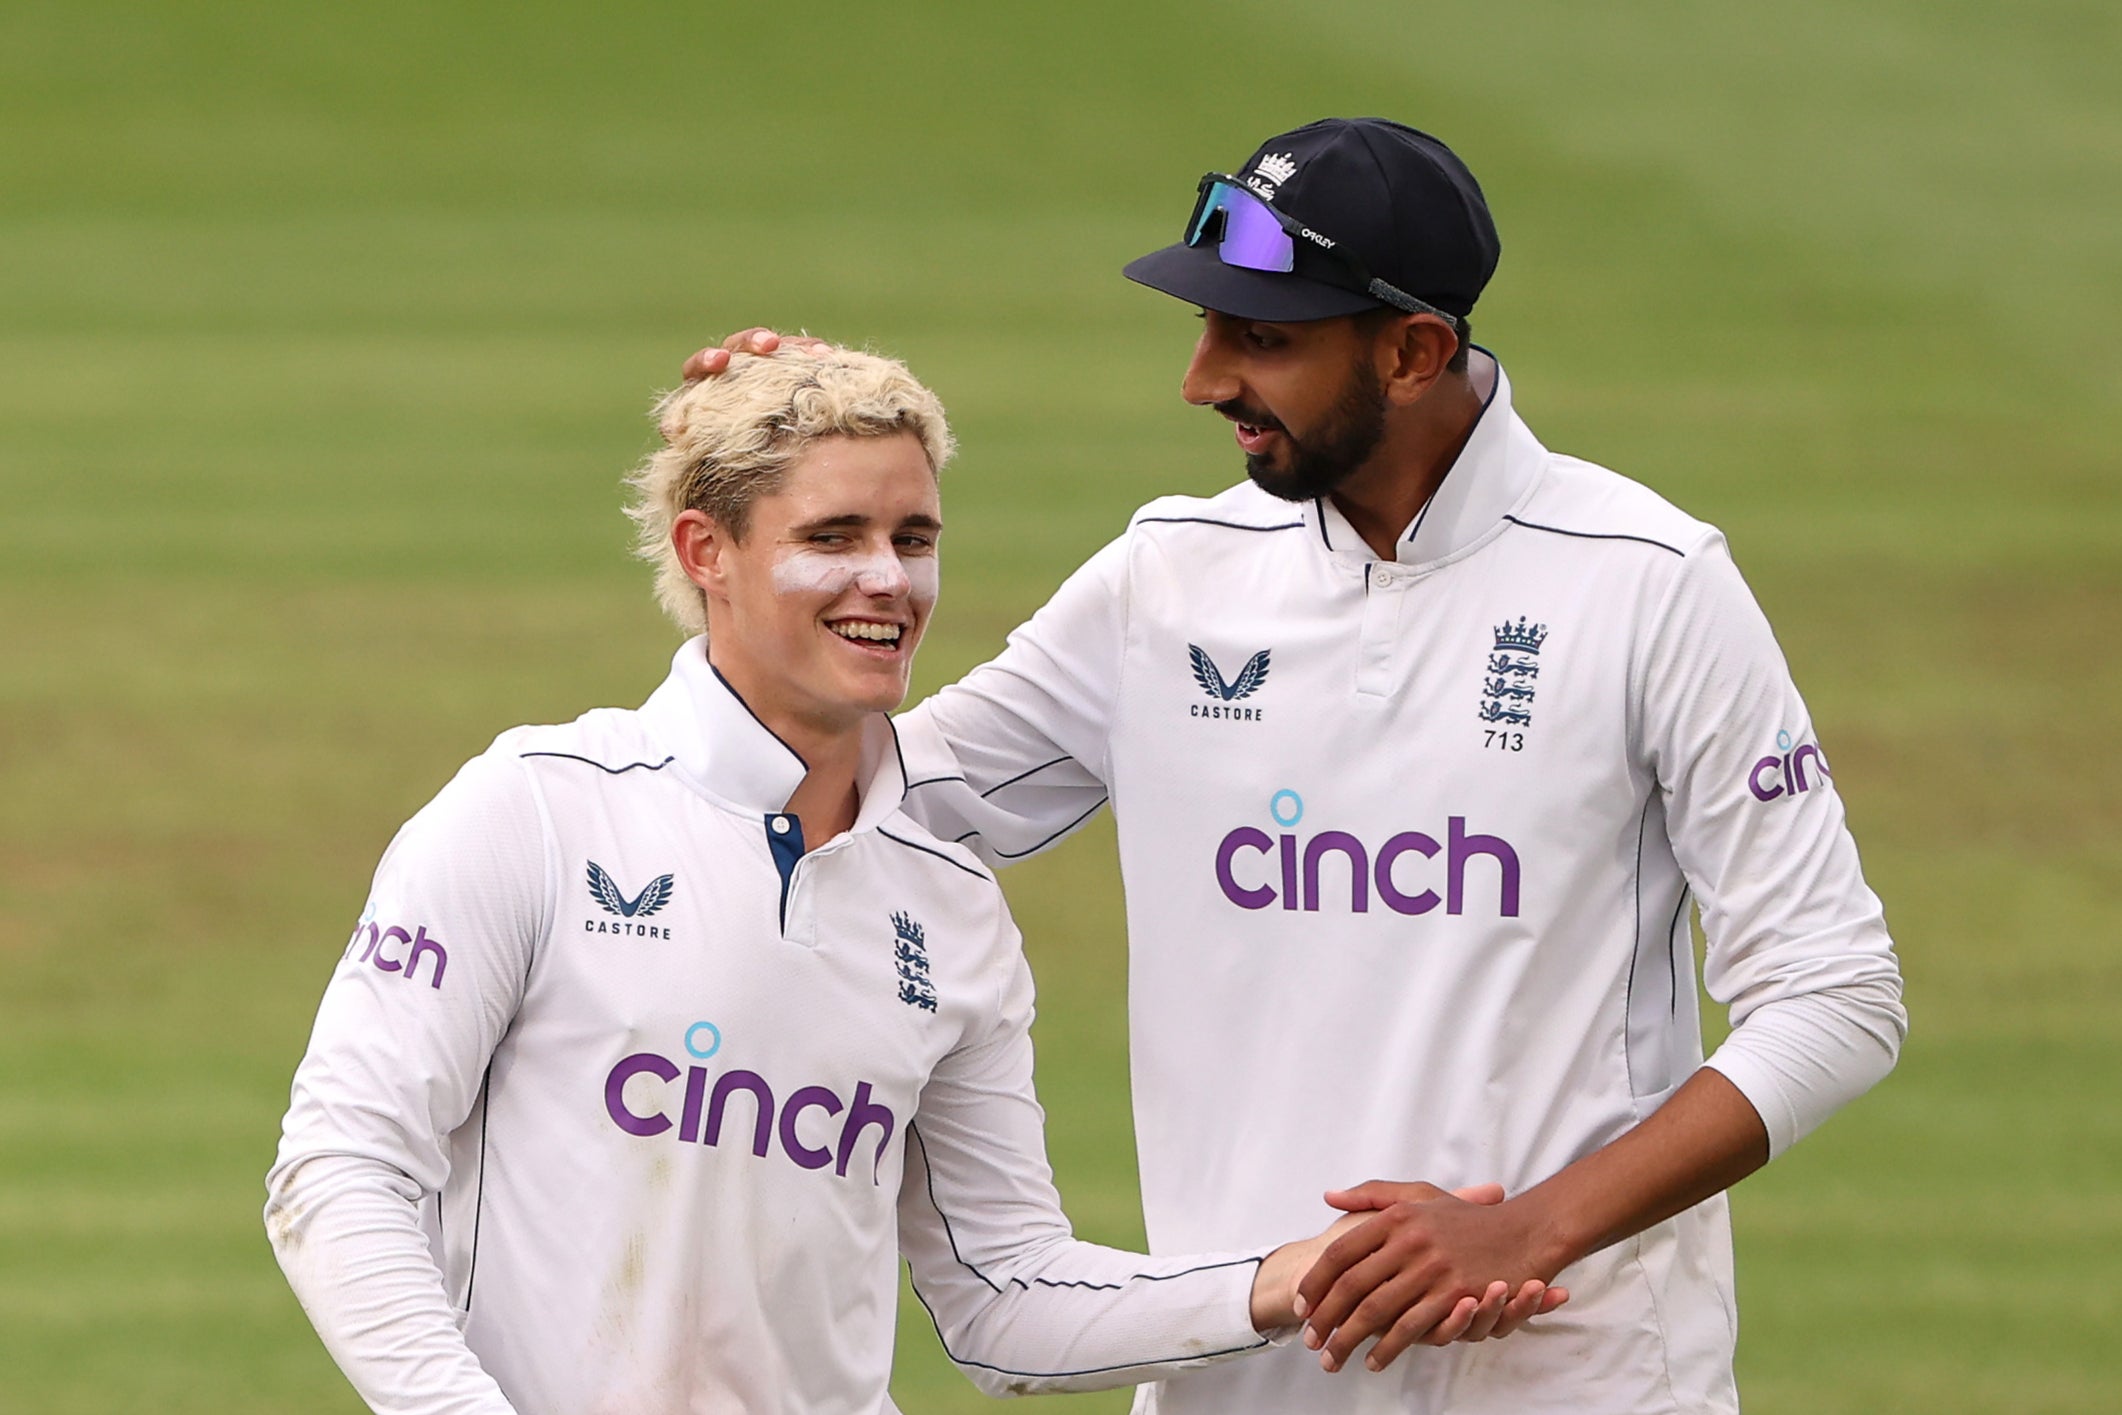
(1324, 459)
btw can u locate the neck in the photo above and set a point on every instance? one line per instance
(826, 802)
(1420, 445)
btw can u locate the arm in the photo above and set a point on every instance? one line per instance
(1797, 949)
(1012, 758)
(1020, 1304)
(395, 1064)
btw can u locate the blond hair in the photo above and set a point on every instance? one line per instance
(730, 439)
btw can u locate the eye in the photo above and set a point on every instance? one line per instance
(914, 543)
(830, 540)
(1262, 337)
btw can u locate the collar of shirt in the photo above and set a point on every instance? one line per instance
(723, 750)
(1493, 473)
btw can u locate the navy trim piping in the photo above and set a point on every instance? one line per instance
(607, 770)
(1422, 515)
(1319, 509)
(1035, 849)
(1211, 521)
(928, 1175)
(755, 717)
(954, 864)
(1672, 947)
(893, 728)
(1594, 535)
(934, 781)
(471, 1275)
(928, 1180)
(1635, 950)
(1021, 775)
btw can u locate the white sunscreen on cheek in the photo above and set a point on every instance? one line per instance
(833, 573)
(924, 577)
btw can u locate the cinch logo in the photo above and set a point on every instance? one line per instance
(702, 1111)
(1212, 683)
(604, 891)
(393, 950)
(1784, 775)
(1302, 862)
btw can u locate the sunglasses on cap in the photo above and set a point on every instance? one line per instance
(1250, 234)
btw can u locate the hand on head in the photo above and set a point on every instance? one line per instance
(714, 359)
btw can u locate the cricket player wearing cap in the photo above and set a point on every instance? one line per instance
(663, 1028)
(1421, 744)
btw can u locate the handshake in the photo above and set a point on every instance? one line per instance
(1405, 1264)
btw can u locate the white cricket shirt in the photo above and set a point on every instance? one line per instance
(1409, 847)
(618, 1102)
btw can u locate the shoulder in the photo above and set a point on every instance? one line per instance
(907, 848)
(1240, 511)
(612, 742)
(1582, 501)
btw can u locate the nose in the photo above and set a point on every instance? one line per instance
(1209, 376)
(883, 577)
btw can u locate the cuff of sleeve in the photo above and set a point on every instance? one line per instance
(1756, 1081)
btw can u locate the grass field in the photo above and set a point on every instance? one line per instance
(328, 331)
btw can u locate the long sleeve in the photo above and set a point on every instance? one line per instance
(1013, 758)
(1798, 948)
(396, 1063)
(1021, 1305)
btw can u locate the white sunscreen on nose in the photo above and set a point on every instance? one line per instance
(881, 573)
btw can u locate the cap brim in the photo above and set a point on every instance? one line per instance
(1196, 275)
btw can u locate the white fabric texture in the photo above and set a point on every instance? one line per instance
(1409, 846)
(613, 1106)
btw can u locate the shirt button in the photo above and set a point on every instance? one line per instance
(780, 825)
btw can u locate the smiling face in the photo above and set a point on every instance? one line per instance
(815, 613)
(1306, 399)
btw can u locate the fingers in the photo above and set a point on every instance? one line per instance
(759, 340)
(1534, 1298)
(1369, 1299)
(705, 363)
(1465, 1317)
(1398, 1319)
(1384, 1193)
(1487, 1317)
(756, 340)
(1344, 1253)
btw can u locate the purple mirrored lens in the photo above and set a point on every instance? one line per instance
(1252, 238)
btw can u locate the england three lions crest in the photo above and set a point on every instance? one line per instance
(910, 962)
(1511, 675)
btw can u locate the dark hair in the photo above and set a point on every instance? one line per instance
(1457, 362)
(1371, 321)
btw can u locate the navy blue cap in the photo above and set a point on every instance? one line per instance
(1400, 200)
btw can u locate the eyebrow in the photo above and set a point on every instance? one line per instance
(854, 520)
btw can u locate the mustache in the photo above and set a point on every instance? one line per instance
(1237, 412)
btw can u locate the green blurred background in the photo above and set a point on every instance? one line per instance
(328, 331)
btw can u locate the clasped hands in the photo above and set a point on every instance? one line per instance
(1407, 1264)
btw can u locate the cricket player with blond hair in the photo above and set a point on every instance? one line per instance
(664, 1030)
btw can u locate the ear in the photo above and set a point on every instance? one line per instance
(702, 546)
(1411, 354)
